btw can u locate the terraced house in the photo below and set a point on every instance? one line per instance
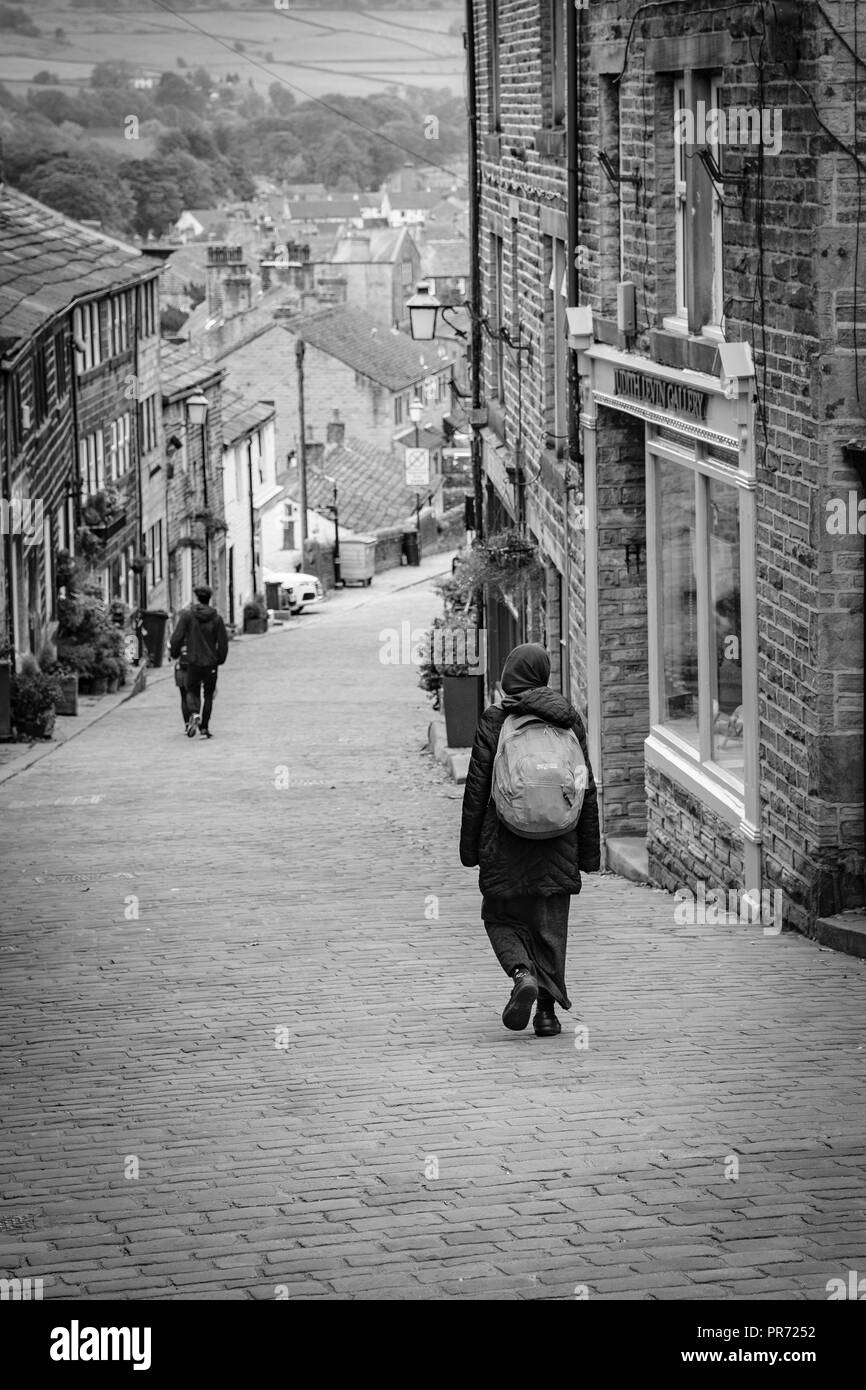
(81, 407)
(668, 225)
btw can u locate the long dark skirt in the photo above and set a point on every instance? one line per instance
(531, 931)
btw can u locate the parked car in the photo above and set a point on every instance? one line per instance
(304, 591)
(297, 590)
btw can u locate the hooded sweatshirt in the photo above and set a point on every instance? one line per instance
(203, 632)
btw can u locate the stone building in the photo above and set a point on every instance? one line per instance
(670, 235)
(80, 377)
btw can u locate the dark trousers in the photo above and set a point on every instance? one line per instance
(531, 931)
(198, 679)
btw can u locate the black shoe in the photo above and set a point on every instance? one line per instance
(205, 733)
(192, 726)
(516, 1013)
(545, 1023)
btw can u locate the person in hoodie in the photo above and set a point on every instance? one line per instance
(526, 885)
(202, 631)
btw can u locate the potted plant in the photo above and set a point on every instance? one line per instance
(256, 615)
(67, 677)
(34, 701)
(89, 641)
(454, 665)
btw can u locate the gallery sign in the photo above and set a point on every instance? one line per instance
(672, 396)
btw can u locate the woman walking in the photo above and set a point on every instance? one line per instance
(527, 883)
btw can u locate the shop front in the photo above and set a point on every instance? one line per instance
(670, 615)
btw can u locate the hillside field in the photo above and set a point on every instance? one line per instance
(314, 51)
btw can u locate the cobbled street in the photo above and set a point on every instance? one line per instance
(252, 1045)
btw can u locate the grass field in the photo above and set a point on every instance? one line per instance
(314, 51)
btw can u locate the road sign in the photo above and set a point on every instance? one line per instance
(417, 467)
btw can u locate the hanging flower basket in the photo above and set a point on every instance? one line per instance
(508, 563)
(212, 522)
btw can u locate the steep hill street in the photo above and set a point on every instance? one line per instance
(252, 1045)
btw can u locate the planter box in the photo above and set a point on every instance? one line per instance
(255, 625)
(98, 685)
(464, 703)
(68, 702)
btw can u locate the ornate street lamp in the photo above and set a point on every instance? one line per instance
(197, 409)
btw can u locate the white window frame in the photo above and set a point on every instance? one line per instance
(557, 287)
(690, 766)
(149, 431)
(91, 455)
(118, 324)
(678, 322)
(119, 448)
(716, 327)
(85, 327)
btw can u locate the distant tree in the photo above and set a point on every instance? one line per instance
(112, 74)
(181, 61)
(53, 104)
(60, 36)
(174, 90)
(171, 320)
(281, 97)
(196, 294)
(82, 187)
(44, 78)
(11, 17)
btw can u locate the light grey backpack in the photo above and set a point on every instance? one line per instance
(539, 777)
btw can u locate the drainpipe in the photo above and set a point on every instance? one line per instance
(300, 347)
(252, 516)
(572, 94)
(855, 455)
(474, 288)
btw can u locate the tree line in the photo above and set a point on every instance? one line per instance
(207, 140)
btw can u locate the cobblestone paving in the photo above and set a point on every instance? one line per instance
(244, 1058)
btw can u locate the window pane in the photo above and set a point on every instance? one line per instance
(727, 669)
(678, 594)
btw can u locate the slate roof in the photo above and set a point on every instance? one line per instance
(182, 373)
(241, 416)
(371, 348)
(445, 259)
(410, 202)
(48, 262)
(379, 245)
(371, 492)
(325, 209)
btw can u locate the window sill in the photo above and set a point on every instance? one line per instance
(693, 777)
(550, 141)
(674, 347)
(492, 146)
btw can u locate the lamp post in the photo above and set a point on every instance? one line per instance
(334, 508)
(416, 410)
(197, 408)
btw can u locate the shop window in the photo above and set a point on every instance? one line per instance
(697, 597)
(154, 554)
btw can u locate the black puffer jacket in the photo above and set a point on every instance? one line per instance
(511, 865)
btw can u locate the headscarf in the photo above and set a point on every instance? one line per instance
(526, 668)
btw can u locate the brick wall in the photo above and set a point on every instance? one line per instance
(790, 264)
